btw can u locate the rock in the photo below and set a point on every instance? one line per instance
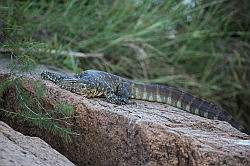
(18, 149)
(144, 133)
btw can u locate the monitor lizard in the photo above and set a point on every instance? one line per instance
(118, 90)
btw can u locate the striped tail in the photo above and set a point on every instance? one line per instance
(182, 100)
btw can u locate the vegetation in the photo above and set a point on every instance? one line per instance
(202, 47)
(31, 109)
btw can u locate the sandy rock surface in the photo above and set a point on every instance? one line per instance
(144, 133)
(18, 149)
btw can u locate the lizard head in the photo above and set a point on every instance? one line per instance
(79, 86)
(51, 76)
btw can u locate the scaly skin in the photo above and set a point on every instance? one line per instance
(118, 90)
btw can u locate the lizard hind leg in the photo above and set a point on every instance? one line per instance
(123, 92)
(120, 96)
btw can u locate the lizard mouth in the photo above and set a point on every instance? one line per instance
(50, 76)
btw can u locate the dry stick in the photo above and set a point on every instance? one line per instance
(64, 53)
(142, 57)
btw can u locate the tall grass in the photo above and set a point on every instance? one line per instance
(202, 47)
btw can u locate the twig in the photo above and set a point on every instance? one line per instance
(53, 51)
(41, 118)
